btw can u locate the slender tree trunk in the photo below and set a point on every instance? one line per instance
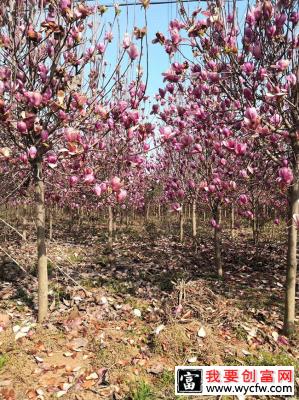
(41, 244)
(194, 226)
(50, 225)
(232, 221)
(217, 243)
(181, 225)
(290, 301)
(110, 226)
(147, 212)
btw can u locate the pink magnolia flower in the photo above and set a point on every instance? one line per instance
(44, 135)
(176, 207)
(251, 114)
(180, 194)
(89, 178)
(133, 52)
(101, 48)
(197, 149)
(51, 159)
(73, 180)
(248, 68)
(71, 135)
(167, 132)
(64, 4)
(257, 50)
(104, 186)
(121, 195)
(126, 41)
(109, 36)
(32, 152)
(251, 119)
(243, 199)
(281, 65)
(23, 157)
(34, 98)
(175, 36)
(285, 175)
(186, 140)
(97, 189)
(240, 149)
(116, 184)
(22, 127)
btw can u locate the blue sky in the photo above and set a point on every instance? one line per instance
(158, 17)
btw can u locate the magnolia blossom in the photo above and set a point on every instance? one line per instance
(285, 175)
(73, 180)
(133, 51)
(243, 199)
(22, 127)
(97, 189)
(32, 152)
(34, 98)
(167, 132)
(121, 195)
(281, 65)
(248, 67)
(52, 159)
(116, 184)
(126, 41)
(176, 207)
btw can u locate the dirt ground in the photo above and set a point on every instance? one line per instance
(121, 319)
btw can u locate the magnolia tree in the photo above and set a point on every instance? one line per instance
(208, 157)
(54, 81)
(253, 65)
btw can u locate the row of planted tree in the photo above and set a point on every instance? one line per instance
(222, 135)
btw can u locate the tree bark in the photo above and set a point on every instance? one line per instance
(232, 221)
(290, 301)
(50, 226)
(110, 226)
(24, 224)
(181, 225)
(217, 243)
(41, 243)
(194, 225)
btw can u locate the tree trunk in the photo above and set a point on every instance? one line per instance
(194, 227)
(217, 243)
(41, 244)
(110, 226)
(50, 226)
(290, 301)
(232, 221)
(181, 225)
(147, 212)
